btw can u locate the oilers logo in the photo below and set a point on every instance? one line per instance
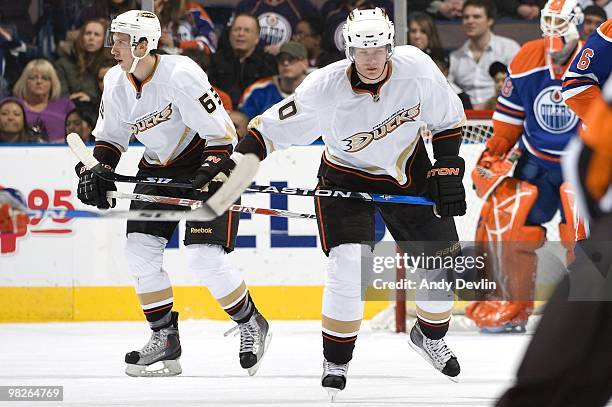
(275, 29)
(551, 113)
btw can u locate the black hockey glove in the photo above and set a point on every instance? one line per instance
(92, 189)
(445, 186)
(212, 174)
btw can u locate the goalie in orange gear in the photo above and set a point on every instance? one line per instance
(529, 111)
(13, 217)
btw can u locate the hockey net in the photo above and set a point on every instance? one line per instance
(401, 313)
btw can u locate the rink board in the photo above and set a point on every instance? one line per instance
(75, 270)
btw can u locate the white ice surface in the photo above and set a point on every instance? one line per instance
(87, 359)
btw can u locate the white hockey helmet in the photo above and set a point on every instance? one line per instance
(560, 17)
(368, 29)
(138, 24)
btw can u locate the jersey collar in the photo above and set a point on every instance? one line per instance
(359, 90)
(138, 86)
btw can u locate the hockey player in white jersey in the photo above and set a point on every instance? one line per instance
(370, 109)
(167, 103)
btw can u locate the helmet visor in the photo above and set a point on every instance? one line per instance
(117, 39)
(373, 55)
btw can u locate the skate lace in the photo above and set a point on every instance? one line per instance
(335, 369)
(438, 350)
(156, 342)
(249, 335)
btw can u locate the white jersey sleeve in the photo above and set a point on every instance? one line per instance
(109, 127)
(295, 120)
(200, 106)
(442, 109)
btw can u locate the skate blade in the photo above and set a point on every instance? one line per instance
(332, 393)
(253, 369)
(424, 355)
(507, 328)
(162, 368)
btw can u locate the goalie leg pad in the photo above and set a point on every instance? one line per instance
(503, 232)
(573, 229)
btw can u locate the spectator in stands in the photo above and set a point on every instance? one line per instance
(444, 9)
(422, 32)
(102, 70)
(523, 9)
(594, 16)
(106, 9)
(292, 62)
(39, 89)
(10, 48)
(335, 13)
(185, 25)
(441, 59)
(604, 4)
(277, 19)
(17, 14)
(13, 126)
(233, 69)
(469, 65)
(241, 121)
(498, 72)
(80, 123)
(309, 32)
(77, 72)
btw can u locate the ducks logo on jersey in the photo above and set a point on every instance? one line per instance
(151, 120)
(359, 141)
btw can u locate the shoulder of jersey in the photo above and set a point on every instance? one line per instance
(329, 75)
(410, 61)
(113, 76)
(605, 30)
(531, 56)
(177, 67)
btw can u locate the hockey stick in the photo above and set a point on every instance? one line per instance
(90, 162)
(336, 193)
(216, 205)
(194, 203)
(142, 215)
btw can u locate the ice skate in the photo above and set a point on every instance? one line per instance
(436, 352)
(255, 337)
(334, 378)
(160, 356)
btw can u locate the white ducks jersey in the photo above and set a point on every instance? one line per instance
(175, 104)
(375, 136)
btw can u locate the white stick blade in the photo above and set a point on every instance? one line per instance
(80, 150)
(238, 181)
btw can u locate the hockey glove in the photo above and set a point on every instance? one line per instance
(445, 186)
(92, 189)
(213, 173)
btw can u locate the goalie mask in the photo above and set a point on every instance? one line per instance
(368, 29)
(558, 23)
(139, 25)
